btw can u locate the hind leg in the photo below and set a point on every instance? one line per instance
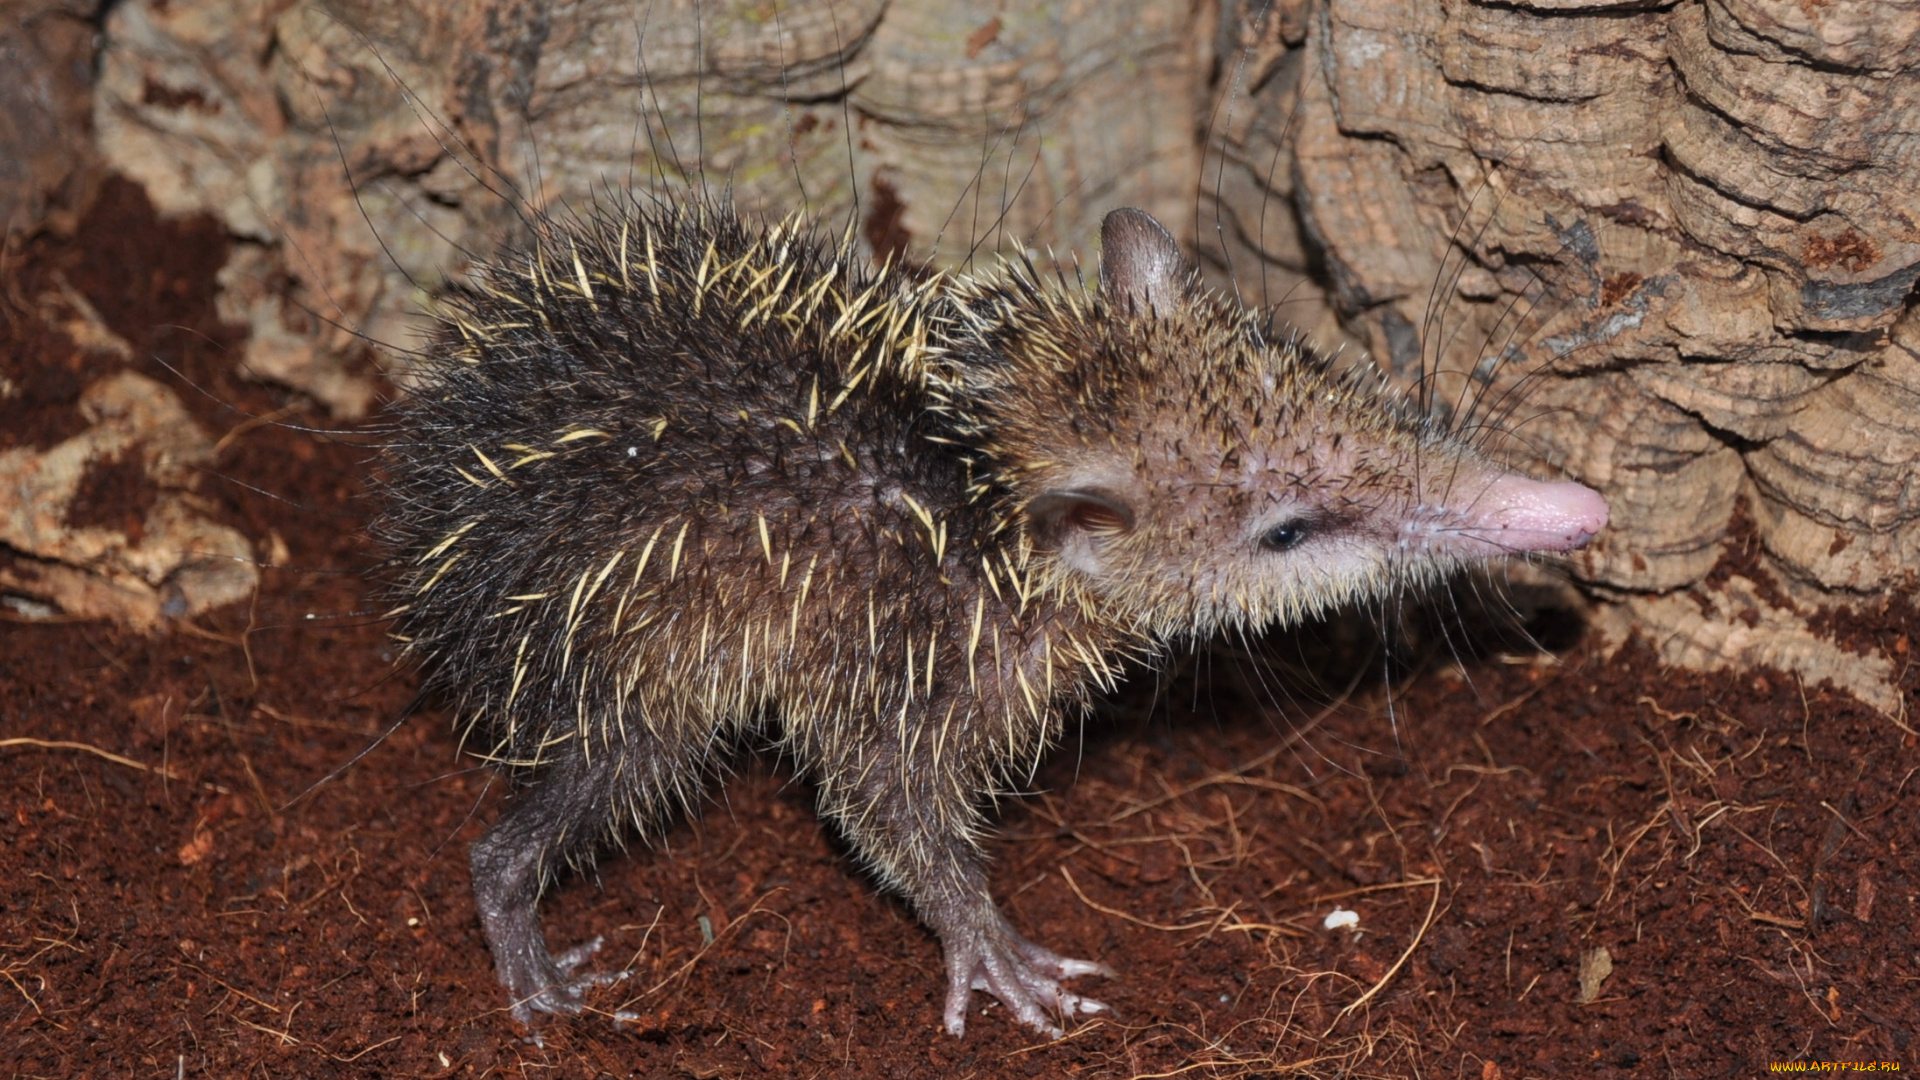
(560, 814)
(567, 808)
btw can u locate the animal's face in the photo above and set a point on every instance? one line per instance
(1259, 492)
(1272, 524)
(1187, 473)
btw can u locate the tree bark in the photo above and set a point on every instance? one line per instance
(364, 148)
(1689, 230)
(1671, 247)
(46, 49)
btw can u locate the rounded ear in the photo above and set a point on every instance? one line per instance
(1054, 516)
(1140, 262)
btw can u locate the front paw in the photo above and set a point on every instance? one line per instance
(1024, 976)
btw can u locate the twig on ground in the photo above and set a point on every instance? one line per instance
(61, 744)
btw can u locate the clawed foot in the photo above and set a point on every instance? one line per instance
(539, 983)
(1025, 977)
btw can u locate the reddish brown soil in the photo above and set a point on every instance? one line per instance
(237, 892)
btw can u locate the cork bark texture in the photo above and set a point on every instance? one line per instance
(1670, 249)
(363, 150)
(1681, 240)
(46, 49)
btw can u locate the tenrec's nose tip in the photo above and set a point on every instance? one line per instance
(1587, 509)
(1542, 515)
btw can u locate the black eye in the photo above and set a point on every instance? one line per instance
(1286, 536)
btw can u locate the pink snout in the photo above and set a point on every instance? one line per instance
(1514, 514)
